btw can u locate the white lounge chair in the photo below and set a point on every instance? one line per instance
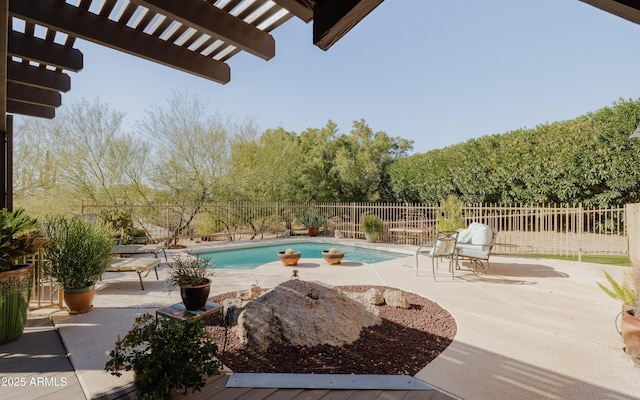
(121, 250)
(140, 265)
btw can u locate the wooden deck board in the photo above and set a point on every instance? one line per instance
(285, 394)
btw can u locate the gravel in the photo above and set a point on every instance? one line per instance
(405, 342)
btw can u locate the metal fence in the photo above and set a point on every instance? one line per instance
(522, 229)
(540, 229)
(45, 292)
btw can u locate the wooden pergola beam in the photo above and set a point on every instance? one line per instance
(38, 77)
(332, 19)
(93, 28)
(302, 9)
(627, 9)
(216, 23)
(31, 110)
(31, 95)
(36, 49)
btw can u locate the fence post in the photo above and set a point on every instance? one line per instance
(580, 230)
(632, 216)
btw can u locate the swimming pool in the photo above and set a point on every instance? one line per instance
(252, 257)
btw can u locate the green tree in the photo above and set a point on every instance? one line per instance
(362, 159)
(319, 179)
(589, 159)
(82, 154)
(190, 155)
(267, 168)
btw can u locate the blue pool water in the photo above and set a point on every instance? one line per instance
(251, 257)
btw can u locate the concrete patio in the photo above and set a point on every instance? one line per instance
(529, 328)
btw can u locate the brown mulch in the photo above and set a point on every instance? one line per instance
(405, 342)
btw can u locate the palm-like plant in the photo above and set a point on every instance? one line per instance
(622, 291)
(19, 237)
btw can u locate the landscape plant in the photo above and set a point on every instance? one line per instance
(623, 291)
(450, 218)
(188, 271)
(79, 251)
(312, 219)
(19, 237)
(372, 224)
(164, 354)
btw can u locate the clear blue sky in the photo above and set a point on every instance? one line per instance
(438, 73)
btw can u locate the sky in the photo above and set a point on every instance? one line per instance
(435, 72)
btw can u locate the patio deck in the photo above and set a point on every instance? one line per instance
(36, 367)
(530, 328)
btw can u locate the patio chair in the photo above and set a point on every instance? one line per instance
(443, 247)
(138, 265)
(121, 250)
(475, 244)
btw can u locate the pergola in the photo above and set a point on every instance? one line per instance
(194, 36)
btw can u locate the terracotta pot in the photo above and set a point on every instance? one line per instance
(79, 301)
(313, 231)
(15, 294)
(630, 328)
(333, 258)
(195, 297)
(289, 260)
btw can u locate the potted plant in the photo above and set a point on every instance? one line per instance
(289, 257)
(622, 291)
(333, 256)
(165, 354)
(191, 274)
(312, 220)
(627, 292)
(78, 255)
(19, 237)
(372, 227)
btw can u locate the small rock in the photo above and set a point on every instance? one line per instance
(374, 297)
(253, 293)
(395, 298)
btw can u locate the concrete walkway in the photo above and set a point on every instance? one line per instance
(529, 329)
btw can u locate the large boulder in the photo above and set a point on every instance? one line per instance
(303, 313)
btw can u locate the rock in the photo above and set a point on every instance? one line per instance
(362, 298)
(395, 298)
(253, 293)
(303, 313)
(232, 314)
(231, 309)
(373, 296)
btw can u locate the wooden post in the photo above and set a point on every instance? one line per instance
(6, 121)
